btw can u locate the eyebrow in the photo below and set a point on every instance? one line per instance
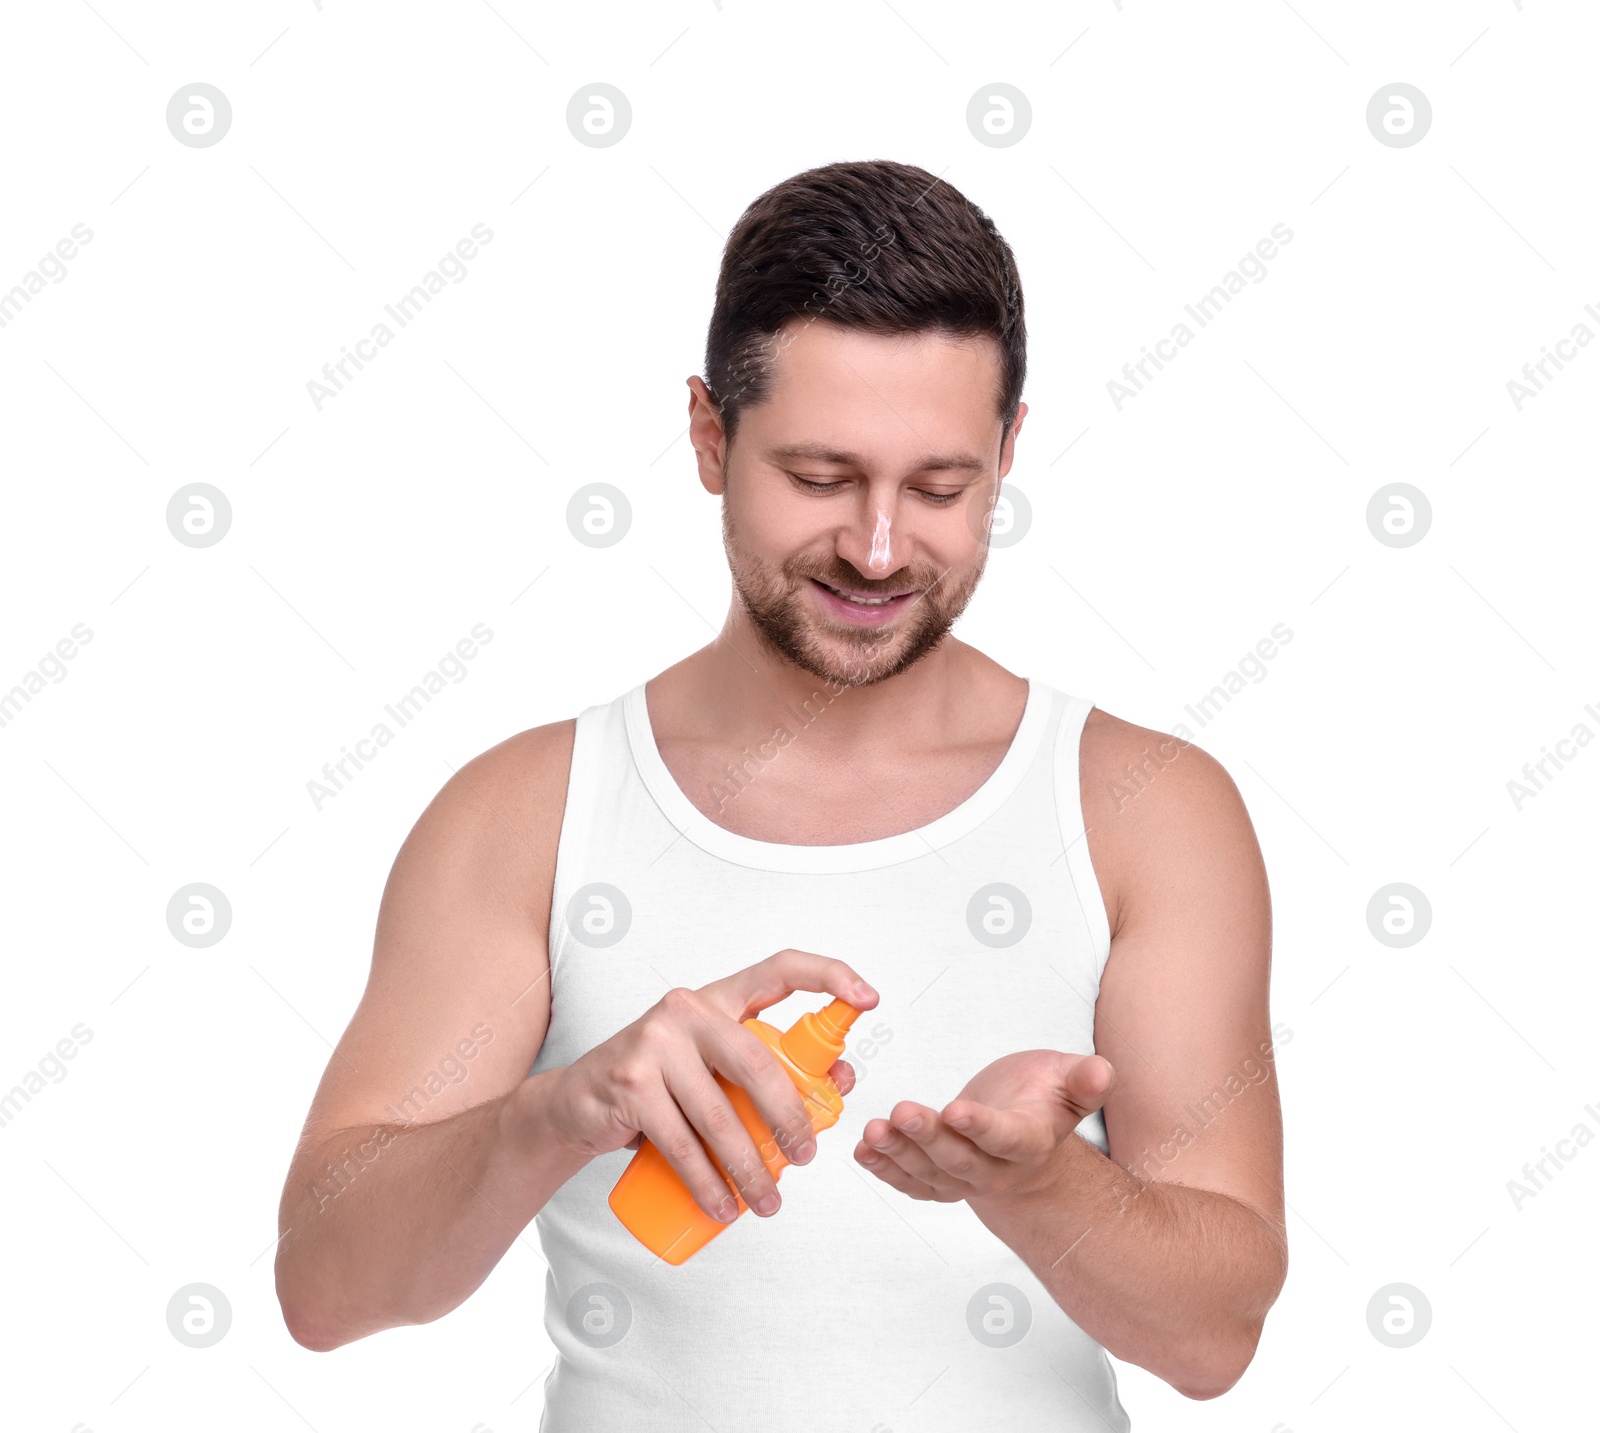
(822, 453)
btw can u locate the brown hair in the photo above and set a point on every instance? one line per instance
(871, 244)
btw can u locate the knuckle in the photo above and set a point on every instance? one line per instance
(740, 1181)
(758, 1067)
(746, 1164)
(655, 1031)
(681, 1149)
(678, 1002)
(719, 1119)
(667, 1021)
(631, 1075)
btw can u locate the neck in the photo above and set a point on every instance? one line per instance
(738, 684)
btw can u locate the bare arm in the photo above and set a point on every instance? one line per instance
(1171, 1252)
(426, 1152)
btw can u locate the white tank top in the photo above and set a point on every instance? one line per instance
(854, 1307)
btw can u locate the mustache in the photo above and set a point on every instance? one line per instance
(843, 575)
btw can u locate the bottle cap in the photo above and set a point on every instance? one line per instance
(816, 1039)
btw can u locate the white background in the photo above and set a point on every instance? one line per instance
(369, 537)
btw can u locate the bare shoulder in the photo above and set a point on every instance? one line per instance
(1149, 797)
(507, 804)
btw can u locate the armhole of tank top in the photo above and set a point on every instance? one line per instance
(576, 817)
(1074, 835)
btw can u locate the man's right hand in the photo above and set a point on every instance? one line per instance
(654, 1080)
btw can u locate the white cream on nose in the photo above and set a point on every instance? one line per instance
(879, 555)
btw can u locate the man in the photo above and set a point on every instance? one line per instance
(1067, 1137)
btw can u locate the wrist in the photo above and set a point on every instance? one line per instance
(527, 1120)
(1050, 1185)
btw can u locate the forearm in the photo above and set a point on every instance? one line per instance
(397, 1224)
(1174, 1279)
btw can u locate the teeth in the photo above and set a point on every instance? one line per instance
(861, 601)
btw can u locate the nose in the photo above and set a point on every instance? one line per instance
(871, 544)
(878, 554)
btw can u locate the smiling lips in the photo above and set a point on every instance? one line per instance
(864, 598)
(862, 608)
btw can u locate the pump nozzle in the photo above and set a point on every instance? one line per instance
(816, 1039)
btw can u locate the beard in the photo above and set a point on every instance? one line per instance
(782, 610)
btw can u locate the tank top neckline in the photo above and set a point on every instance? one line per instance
(702, 831)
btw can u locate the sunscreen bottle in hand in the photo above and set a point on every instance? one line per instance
(656, 1207)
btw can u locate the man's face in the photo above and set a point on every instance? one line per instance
(867, 474)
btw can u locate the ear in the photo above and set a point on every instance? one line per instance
(1008, 448)
(707, 436)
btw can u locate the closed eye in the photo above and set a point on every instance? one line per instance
(815, 487)
(811, 485)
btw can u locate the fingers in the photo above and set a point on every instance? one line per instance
(693, 1049)
(883, 1167)
(1001, 1134)
(929, 1162)
(665, 1126)
(910, 1150)
(750, 991)
(710, 1111)
(742, 1059)
(920, 1140)
(746, 1062)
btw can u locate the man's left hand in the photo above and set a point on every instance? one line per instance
(1017, 1111)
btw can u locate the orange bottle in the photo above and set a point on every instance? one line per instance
(655, 1205)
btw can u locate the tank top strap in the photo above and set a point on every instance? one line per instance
(599, 755)
(1066, 756)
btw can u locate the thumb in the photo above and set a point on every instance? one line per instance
(1086, 1080)
(750, 991)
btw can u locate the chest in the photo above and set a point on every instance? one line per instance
(774, 791)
